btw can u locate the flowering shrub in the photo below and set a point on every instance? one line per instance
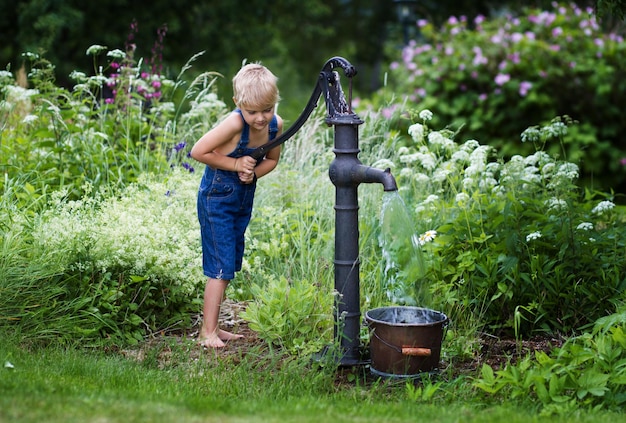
(493, 78)
(61, 138)
(135, 260)
(515, 242)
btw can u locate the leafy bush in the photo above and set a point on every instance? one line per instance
(588, 370)
(104, 132)
(117, 267)
(494, 78)
(295, 316)
(516, 243)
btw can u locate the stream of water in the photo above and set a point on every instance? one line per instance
(404, 273)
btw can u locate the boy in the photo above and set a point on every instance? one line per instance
(227, 188)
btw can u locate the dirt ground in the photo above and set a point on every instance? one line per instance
(494, 351)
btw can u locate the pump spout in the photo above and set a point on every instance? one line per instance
(367, 174)
(350, 172)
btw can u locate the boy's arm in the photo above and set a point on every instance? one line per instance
(212, 148)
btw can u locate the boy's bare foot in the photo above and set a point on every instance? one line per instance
(227, 336)
(211, 341)
(217, 340)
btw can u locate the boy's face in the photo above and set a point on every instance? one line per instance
(258, 117)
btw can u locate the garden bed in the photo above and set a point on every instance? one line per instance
(494, 351)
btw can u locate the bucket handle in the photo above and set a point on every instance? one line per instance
(406, 350)
(415, 351)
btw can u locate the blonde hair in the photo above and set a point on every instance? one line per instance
(255, 86)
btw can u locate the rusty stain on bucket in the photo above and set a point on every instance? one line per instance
(405, 341)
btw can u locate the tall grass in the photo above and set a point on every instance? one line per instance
(31, 299)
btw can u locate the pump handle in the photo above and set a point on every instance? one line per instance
(322, 82)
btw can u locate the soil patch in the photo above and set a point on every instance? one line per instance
(495, 351)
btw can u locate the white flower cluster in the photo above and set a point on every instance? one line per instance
(585, 226)
(14, 95)
(603, 207)
(434, 163)
(416, 131)
(425, 114)
(556, 204)
(150, 231)
(204, 106)
(533, 236)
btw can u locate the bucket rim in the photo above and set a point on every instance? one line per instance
(369, 318)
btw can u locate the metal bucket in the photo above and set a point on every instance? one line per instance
(405, 341)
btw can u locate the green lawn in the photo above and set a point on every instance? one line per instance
(77, 385)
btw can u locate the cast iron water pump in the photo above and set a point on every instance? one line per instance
(346, 173)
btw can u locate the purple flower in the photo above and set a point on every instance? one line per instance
(188, 167)
(515, 58)
(180, 146)
(502, 78)
(623, 161)
(524, 87)
(517, 37)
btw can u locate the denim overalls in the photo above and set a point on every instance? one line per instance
(224, 210)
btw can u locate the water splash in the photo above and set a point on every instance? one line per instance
(401, 248)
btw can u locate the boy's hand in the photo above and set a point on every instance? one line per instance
(244, 166)
(246, 178)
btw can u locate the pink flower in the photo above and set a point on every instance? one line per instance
(502, 78)
(524, 87)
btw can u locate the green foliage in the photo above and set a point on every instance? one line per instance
(588, 370)
(617, 7)
(295, 316)
(112, 267)
(423, 392)
(517, 244)
(56, 138)
(511, 245)
(492, 78)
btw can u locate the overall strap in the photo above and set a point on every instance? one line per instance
(273, 128)
(245, 133)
